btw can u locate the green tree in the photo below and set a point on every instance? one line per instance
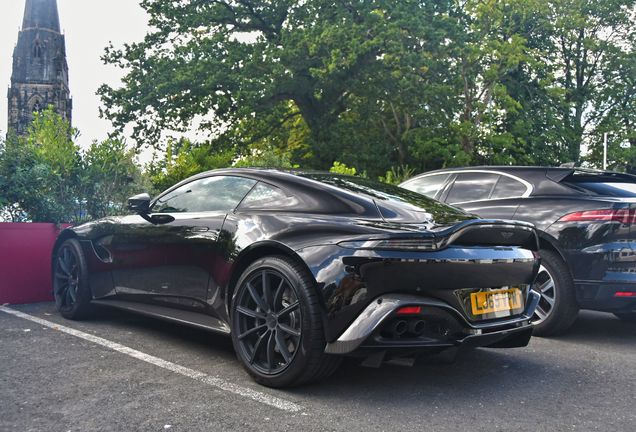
(590, 40)
(492, 44)
(110, 175)
(262, 63)
(183, 159)
(46, 178)
(23, 179)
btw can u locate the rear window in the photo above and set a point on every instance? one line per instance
(612, 189)
(602, 183)
(382, 191)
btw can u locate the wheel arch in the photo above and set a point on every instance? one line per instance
(255, 252)
(65, 235)
(545, 243)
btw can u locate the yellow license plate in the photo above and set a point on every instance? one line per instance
(495, 301)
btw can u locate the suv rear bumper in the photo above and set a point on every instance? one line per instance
(601, 296)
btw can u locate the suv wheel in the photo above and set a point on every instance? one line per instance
(558, 307)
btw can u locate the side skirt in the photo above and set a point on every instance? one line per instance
(191, 319)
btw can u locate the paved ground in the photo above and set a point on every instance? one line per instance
(121, 372)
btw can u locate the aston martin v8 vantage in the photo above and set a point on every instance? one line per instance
(301, 268)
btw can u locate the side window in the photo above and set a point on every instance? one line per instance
(427, 185)
(215, 193)
(508, 187)
(261, 194)
(472, 187)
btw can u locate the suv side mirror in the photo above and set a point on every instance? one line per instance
(139, 203)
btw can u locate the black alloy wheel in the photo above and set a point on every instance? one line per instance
(269, 318)
(276, 325)
(70, 281)
(557, 307)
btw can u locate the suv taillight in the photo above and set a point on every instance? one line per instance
(624, 216)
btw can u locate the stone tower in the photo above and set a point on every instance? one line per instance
(40, 71)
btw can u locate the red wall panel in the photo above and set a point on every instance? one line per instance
(25, 262)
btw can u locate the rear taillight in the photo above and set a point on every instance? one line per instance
(612, 215)
(410, 310)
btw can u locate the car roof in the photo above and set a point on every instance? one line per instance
(339, 194)
(289, 180)
(544, 180)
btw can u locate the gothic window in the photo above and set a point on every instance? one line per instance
(37, 49)
(37, 106)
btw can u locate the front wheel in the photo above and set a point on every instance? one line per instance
(70, 281)
(277, 328)
(557, 307)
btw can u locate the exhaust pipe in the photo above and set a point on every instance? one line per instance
(397, 328)
(416, 327)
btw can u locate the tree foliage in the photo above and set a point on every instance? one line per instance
(45, 177)
(377, 84)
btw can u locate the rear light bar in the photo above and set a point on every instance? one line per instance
(398, 243)
(625, 294)
(624, 216)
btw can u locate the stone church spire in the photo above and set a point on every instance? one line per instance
(40, 70)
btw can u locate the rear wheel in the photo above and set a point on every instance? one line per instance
(70, 281)
(627, 316)
(277, 327)
(557, 307)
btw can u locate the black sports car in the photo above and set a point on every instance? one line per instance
(585, 220)
(304, 267)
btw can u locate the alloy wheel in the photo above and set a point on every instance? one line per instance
(268, 319)
(545, 286)
(66, 277)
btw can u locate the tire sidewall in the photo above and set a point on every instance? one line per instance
(301, 358)
(565, 306)
(81, 306)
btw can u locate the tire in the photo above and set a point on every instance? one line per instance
(558, 307)
(70, 281)
(626, 316)
(276, 324)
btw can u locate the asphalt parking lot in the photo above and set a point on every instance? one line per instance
(122, 372)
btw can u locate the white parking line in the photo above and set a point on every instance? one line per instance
(199, 376)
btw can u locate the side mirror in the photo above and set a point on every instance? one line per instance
(139, 203)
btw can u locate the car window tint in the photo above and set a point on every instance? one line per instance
(207, 194)
(383, 192)
(428, 185)
(613, 189)
(472, 187)
(507, 187)
(263, 193)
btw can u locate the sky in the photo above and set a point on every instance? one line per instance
(89, 26)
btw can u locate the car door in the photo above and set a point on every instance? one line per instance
(490, 195)
(170, 261)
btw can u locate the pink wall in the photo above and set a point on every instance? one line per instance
(25, 262)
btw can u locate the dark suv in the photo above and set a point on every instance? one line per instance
(587, 225)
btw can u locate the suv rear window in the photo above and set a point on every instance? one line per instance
(612, 189)
(602, 183)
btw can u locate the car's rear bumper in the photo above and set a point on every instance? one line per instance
(445, 328)
(606, 296)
